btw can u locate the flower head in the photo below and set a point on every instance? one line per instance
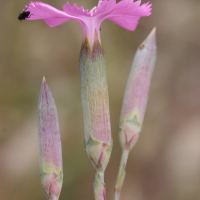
(126, 13)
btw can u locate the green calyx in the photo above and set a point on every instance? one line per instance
(133, 121)
(87, 44)
(51, 183)
(99, 153)
(129, 130)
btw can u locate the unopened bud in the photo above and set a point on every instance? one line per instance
(95, 102)
(136, 93)
(50, 152)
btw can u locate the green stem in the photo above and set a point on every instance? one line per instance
(99, 186)
(101, 176)
(121, 174)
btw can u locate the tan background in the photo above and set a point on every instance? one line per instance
(165, 163)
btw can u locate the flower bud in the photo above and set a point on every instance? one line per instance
(50, 152)
(95, 103)
(136, 93)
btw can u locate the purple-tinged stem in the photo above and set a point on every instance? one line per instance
(121, 174)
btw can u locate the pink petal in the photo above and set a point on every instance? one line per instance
(75, 11)
(104, 7)
(90, 21)
(51, 15)
(127, 13)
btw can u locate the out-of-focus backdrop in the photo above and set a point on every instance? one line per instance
(164, 164)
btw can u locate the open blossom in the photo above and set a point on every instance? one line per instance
(126, 13)
(92, 65)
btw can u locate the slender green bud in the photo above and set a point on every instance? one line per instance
(136, 93)
(96, 116)
(50, 152)
(95, 103)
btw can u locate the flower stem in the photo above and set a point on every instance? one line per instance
(101, 176)
(99, 186)
(121, 173)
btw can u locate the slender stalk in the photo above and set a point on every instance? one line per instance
(99, 186)
(101, 176)
(121, 173)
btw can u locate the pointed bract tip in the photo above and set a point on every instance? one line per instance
(43, 80)
(153, 32)
(44, 84)
(150, 41)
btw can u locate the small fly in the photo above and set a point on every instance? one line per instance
(24, 15)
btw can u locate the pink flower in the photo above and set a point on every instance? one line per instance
(126, 13)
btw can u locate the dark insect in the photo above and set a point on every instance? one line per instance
(24, 15)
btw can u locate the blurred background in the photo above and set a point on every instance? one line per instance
(164, 164)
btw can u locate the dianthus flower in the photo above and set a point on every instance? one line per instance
(92, 65)
(126, 13)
